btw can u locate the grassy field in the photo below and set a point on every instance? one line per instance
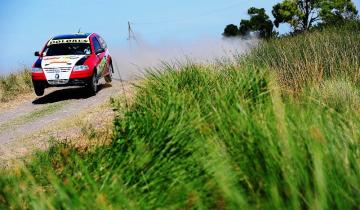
(15, 84)
(277, 129)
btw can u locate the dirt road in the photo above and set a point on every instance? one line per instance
(31, 123)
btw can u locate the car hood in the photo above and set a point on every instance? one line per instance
(60, 61)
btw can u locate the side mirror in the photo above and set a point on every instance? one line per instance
(37, 53)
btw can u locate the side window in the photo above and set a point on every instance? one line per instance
(96, 44)
(102, 42)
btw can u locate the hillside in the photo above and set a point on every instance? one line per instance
(276, 129)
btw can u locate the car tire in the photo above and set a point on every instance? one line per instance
(92, 85)
(39, 90)
(108, 78)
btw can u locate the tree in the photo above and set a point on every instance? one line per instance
(304, 14)
(334, 12)
(245, 27)
(300, 14)
(231, 30)
(259, 22)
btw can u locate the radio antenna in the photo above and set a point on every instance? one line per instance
(79, 30)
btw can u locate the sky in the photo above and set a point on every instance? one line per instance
(27, 24)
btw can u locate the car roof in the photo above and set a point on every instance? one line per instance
(72, 36)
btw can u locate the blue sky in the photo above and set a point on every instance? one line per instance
(27, 24)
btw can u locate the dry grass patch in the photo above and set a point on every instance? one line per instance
(90, 128)
(15, 84)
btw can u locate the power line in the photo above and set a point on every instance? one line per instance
(188, 18)
(131, 34)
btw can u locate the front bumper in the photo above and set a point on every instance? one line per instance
(76, 78)
(62, 83)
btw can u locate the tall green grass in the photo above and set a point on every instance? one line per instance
(224, 136)
(15, 84)
(312, 57)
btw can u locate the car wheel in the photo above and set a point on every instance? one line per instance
(108, 78)
(92, 86)
(39, 90)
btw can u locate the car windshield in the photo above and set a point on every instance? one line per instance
(68, 49)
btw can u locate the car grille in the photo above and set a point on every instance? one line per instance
(58, 82)
(53, 70)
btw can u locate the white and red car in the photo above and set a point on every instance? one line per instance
(72, 60)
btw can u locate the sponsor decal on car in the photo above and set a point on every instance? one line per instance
(102, 65)
(64, 41)
(57, 69)
(61, 59)
(50, 58)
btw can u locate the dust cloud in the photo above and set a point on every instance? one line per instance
(131, 62)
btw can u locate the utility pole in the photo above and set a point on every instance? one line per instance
(131, 32)
(131, 37)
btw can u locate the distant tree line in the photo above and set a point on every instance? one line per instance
(301, 15)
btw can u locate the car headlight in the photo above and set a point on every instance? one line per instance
(81, 68)
(36, 69)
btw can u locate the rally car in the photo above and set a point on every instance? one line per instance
(72, 60)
